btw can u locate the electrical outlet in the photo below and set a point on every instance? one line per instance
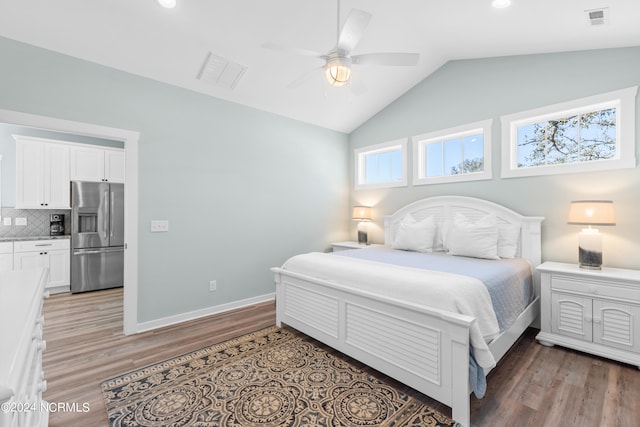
(7, 220)
(21, 221)
(213, 286)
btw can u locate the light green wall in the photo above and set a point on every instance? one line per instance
(243, 189)
(471, 90)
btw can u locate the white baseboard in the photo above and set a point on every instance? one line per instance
(196, 314)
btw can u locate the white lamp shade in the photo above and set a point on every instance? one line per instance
(361, 213)
(592, 212)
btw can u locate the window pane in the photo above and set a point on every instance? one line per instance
(579, 138)
(383, 167)
(598, 135)
(473, 154)
(433, 161)
(396, 165)
(371, 168)
(453, 157)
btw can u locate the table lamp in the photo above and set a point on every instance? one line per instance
(591, 212)
(362, 214)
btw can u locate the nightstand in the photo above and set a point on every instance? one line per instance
(343, 246)
(595, 311)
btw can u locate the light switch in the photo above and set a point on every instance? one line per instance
(6, 220)
(21, 221)
(159, 225)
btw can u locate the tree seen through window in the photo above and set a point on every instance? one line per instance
(582, 137)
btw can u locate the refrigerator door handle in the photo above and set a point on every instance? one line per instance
(111, 203)
(97, 251)
(106, 200)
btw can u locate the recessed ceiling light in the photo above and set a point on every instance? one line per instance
(501, 4)
(169, 4)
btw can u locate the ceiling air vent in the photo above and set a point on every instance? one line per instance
(220, 71)
(596, 17)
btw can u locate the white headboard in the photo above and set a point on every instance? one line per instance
(443, 207)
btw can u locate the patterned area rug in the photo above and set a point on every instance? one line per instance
(273, 377)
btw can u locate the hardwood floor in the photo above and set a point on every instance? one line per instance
(85, 346)
(532, 386)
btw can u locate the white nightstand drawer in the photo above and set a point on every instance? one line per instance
(595, 288)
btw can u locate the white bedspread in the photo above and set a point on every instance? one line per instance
(445, 291)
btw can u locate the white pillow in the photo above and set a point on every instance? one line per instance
(508, 236)
(478, 240)
(415, 235)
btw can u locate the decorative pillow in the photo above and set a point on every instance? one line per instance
(478, 240)
(508, 237)
(413, 235)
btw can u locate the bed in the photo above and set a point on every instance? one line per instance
(375, 311)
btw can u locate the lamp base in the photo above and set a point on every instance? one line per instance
(590, 260)
(590, 249)
(362, 233)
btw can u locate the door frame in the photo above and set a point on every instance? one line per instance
(130, 140)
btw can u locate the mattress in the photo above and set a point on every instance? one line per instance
(509, 281)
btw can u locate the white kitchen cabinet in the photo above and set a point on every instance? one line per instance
(42, 174)
(97, 164)
(595, 311)
(52, 254)
(21, 376)
(6, 256)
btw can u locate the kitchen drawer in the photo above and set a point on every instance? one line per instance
(595, 288)
(40, 245)
(6, 247)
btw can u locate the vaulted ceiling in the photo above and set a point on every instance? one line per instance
(171, 45)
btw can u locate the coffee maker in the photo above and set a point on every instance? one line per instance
(56, 225)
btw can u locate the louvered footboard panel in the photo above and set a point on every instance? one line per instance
(402, 343)
(314, 309)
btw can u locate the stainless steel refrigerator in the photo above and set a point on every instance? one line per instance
(97, 236)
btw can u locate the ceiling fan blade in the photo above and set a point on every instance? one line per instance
(304, 78)
(293, 50)
(388, 58)
(353, 29)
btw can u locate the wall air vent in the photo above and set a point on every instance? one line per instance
(596, 17)
(220, 71)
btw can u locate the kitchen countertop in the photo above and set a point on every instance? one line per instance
(23, 238)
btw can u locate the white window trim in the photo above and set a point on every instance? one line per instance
(420, 141)
(359, 156)
(623, 100)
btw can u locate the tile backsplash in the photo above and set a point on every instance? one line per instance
(37, 222)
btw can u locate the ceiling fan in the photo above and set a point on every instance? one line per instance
(338, 60)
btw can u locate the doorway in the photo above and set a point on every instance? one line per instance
(130, 140)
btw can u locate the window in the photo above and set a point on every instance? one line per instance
(588, 134)
(382, 165)
(458, 154)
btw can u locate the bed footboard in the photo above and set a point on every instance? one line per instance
(419, 346)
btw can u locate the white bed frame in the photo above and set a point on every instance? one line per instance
(422, 347)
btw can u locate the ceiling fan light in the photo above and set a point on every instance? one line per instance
(338, 71)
